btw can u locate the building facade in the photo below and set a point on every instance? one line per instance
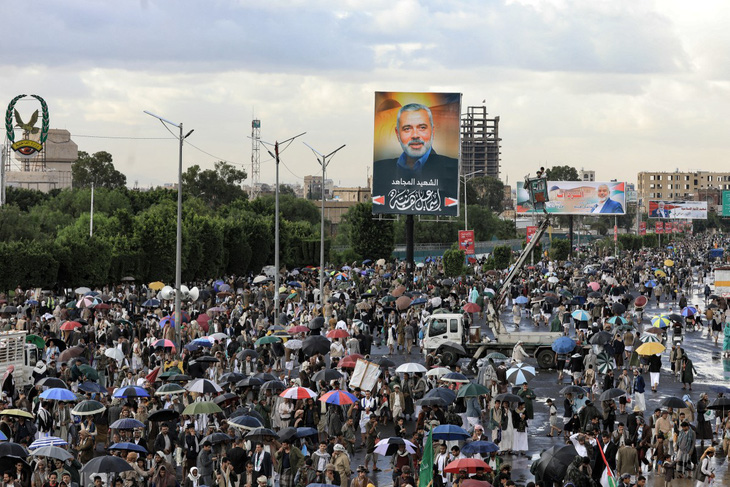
(586, 175)
(480, 143)
(680, 185)
(47, 170)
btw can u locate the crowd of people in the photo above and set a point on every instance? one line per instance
(249, 392)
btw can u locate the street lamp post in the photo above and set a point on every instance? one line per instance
(323, 161)
(178, 247)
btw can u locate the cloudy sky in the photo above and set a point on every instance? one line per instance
(615, 86)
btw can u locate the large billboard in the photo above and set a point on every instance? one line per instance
(466, 241)
(726, 203)
(692, 210)
(416, 153)
(578, 198)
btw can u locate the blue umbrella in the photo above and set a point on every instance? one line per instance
(366, 261)
(521, 300)
(481, 447)
(304, 432)
(563, 345)
(89, 386)
(294, 284)
(58, 394)
(47, 441)
(689, 311)
(192, 346)
(419, 301)
(128, 447)
(447, 395)
(3, 437)
(126, 424)
(449, 432)
(151, 303)
(580, 315)
(202, 342)
(217, 285)
(245, 421)
(131, 391)
(650, 283)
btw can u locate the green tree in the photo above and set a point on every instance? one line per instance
(559, 249)
(369, 238)
(23, 198)
(485, 191)
(217, 187)
(454, 261)
(97, 169)
(561, 173)
(502, 256)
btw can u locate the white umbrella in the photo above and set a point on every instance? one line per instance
(380, 262)
(438, 372)
(260, 279)
(520, 374)
(436, 302)
(203, 386)
(82, 290)
(410, 368)
(293, 344)
(218, 336)
(114, 353)
(553, 279)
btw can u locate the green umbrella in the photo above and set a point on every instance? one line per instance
(88, 408)
(36, 340)
(170, 372)
(170, 388)
(203, 407)
(89, 371)
(292, 296)
(125, 322)
(496, 356)
(472, 389)
(267, 339)
(388, 299)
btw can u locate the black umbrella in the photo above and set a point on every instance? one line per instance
(207, 359)
(553, 463)
(247, 411)
(287, 434)
(52, 382)
(432, 401)
(8, 462)
(609, 394)
(57, 342)
(594, 294)
(106, 464)
(216, 438)
(385, 362)
(618, 309)
(228, 396)
(673, 402)
(720, 404)
(249, 382)
(248, 352)
(275, 386)
(13, 449)
(261, 434)
(600, 338)
(572, 389)
(326, 375)
(456, 347)
(315, 344)
(231, 378)
(316, 323)
(510, 398)
(676, 318)
(265, 376)
(163, 415)
(179, 378)
(447, 395)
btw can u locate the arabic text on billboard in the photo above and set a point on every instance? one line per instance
(416, 153)
(578, 198)
(690, 210)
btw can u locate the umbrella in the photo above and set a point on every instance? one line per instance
(481, 447)
(510, 398)
(385, 362)
(70, 353)
(130, 391)
(605, 362)
(298, 393)
(618, 308)
(326, 375)
(432, 401)
(438, 372)
(267, 340)
(13, 449)
(654, 331)
(720, 389)
(669, 263)
(455, 377)
(162, 415)
(315, 344)
(337, 333)
(16, 413)
(46, 441)
(126, 424)
(410, 368)
(287, 434)
(618, 320)
(521, 300)
(36, 340)
(573, 389)
(231, 377)
(614, 393)
(260, 434)
(339, 398)
(472, 389)
(563, 345)
(88, 408)
(170, 388)
(496, 356)
(447, 395)
(106, 464)
(249, 382)
(54, 382)
(553, 463)
(303, 432)
(472, 308)
(124, 446)
(70, 325)
(245, 422)
(720, 404)
(640, 301)
(293, 344)
(58, 394)
(163, 344)
(449, 432)
(202, 407)
(661, 321)
(297, 329)
(388, 446)
(92, 387)
(52, 452)
(673, 402)
(580, 315)
(275, 386)
(601, 338)
(316, 323)
(216, 438)
(650, 348)
(689, 311)
(203, 386)
(471, 465)
(520, 374)
(649, 337)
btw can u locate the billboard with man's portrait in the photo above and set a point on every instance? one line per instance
(577, 198)
(416, 153)
(685, 210)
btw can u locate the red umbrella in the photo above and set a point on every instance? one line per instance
(202, 318)
(338, 333)
(594, 285)
(298, 329)
(163, 344)
(472, 308)
(476, 483)
(70, 325)
(102, 306)
(640, 302)
(469, 464)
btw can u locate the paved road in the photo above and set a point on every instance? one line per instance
(707, 360)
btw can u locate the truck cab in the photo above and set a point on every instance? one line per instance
(16, 352)
(442, 328)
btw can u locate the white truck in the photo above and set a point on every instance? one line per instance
(722, 281)
(15, 351)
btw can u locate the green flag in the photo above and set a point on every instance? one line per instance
(425, 473)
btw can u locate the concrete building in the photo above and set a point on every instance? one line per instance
(480, 143)
(586, 175)
(680, 185)
(312, 187)
(50, 169)
(356, 194)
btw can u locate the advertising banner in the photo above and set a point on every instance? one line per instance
(416, 153)
(642, 228)
(577, 198)
(466, 241)
(668, 227)
(726, 203)
(694, 210)
(530, 232)
(659, 228)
